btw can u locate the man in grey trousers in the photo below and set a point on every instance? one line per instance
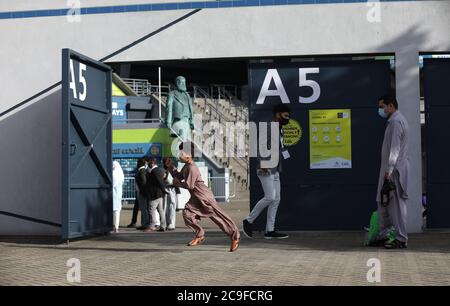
(394, 168)
(270, 179)
(156, 192)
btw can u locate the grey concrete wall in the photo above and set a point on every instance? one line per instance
(30, 61)
(301, 30)
(30, 167)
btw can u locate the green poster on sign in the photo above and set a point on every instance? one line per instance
(330, 139)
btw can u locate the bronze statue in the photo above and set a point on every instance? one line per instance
(180, 117)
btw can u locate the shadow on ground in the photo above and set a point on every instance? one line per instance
(175, 242)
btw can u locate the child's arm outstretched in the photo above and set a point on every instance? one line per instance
(179, 180)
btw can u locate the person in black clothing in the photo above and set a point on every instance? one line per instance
(141, 186)
(135, 209)
(156, 191)
(135, 213)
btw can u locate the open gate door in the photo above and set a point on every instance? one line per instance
(87, 144)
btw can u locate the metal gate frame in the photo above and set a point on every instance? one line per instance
(69, 118)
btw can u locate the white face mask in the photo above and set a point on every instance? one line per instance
(382, 113)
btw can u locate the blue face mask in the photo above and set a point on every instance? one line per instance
(382, 113)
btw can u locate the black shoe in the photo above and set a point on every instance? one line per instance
(395, 244)
(161, 229)
(377, 243)
(131, 225)
(247, 228)
(141, 228)
(275, 235)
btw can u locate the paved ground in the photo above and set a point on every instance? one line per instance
(306, 258)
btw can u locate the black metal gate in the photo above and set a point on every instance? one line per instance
(437, 107)
(325, 199)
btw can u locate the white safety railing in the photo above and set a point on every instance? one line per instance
(223, 188)
(129, 189)
(139, 86)
(143, 87)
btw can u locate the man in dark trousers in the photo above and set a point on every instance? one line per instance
(142, 194)
(135, 207)
(156, 191)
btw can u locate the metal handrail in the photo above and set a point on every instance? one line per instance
(154, 89)
(139, 86)
(211, 105)
(199, 89)
(242, 161)
(145, 88)
(241, 112)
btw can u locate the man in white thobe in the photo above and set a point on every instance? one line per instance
(394, 167)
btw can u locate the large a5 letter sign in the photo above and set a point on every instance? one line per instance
(313, 84)
(280, 91)
(82, 80)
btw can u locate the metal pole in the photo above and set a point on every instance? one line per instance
(159, 91)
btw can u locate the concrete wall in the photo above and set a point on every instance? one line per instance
(30, 60)
(30, 168)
